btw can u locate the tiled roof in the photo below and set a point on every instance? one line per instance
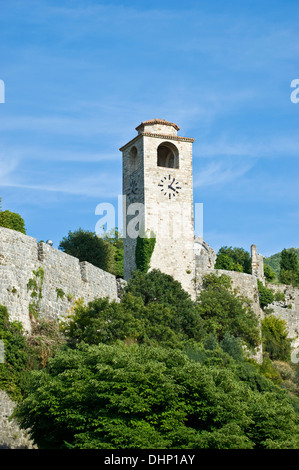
(158, 121)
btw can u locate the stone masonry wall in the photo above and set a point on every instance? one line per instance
(65, 278)
(11, 436)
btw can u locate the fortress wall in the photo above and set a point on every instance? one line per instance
(18, 258)
(65, 278)
(11, 436)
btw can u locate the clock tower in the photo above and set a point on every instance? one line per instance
(158, 197)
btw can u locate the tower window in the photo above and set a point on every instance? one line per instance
(167, 155)
(133, 159)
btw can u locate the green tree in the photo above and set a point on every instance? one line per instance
(233, 259)
(266, 295)
(159, 288)
(87, 246)
(114, 237)
(224, 261)
(269, 273)
(138, 397)
(289, 267)
(13, 221)
(275, 338)
(225, 312)
(131, 320)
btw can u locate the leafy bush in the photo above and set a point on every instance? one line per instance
(279, 296)
(13, 221)
(159, 288)
(289, 267)
(225, 312)
(275, 338)
(154, 310)
(269, 273)
(87, 246)
(15, 354)
(233, 259)
(266, 296)
(120, 397)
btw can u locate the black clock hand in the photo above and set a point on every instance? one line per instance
(170, 185)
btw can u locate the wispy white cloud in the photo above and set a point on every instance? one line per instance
(270, 147)
(95, 187)
(218, 173)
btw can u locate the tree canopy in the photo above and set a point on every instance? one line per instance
(12, 220)
(158, 370)
(121, 397)
(87, 246)
(289, 267)
(233, 259)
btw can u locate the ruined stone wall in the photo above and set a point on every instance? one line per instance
(61, 279)
(11, 436)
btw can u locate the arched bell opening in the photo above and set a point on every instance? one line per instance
(167, 155)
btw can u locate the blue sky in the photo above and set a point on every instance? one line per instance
(81, 75)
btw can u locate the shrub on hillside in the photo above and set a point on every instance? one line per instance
(13, 221)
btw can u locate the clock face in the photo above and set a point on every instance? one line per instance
(133, 190)
(169, 186)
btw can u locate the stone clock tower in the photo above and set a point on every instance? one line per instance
(158, 190)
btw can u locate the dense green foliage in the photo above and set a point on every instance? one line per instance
(12, 220)
(233, 259)
(115, 396)
(224, 312)
(275, 338)
(23, 353)
(159, 371)
(115, 239)
(274, 261)
(15, 355)
(289, 268)
(87, 246)
(266, 295)
(269, 273)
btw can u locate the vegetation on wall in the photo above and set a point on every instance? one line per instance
(15, 355)
(25, 352)
(35, 285)
(144, 249)
(266, 295)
